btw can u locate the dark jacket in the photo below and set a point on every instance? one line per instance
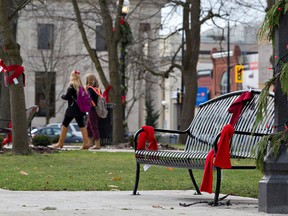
(93, 96)
(72, 109)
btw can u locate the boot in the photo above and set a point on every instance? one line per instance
(90, 142)
(85, 138)
(97, 144)
(62, 137)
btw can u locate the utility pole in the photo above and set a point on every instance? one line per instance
(228, 58)
(273, 186)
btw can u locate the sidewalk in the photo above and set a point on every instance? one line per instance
(91, 203)
(118, 203)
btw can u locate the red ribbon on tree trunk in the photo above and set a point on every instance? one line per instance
(18, 70)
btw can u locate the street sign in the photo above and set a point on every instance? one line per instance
(202, 95)
(239, 69)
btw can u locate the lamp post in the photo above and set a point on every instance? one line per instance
(124, 12)
(164, 104)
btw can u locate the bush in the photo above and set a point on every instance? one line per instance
(41, 140)
(56, 139)
(1, 138)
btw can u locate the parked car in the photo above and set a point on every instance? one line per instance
(52, 132)
(73, 128)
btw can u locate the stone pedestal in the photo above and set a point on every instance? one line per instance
(273, 188)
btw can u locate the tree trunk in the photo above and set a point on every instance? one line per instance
(17, 97)
(112, 39)
(189, 67)
(116, 94)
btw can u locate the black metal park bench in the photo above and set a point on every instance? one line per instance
(30, 114)
(203, 135)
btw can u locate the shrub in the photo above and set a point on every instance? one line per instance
(41, 140)
(152, 115)
(55, 139)
(1, 138)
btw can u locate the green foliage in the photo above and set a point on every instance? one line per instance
(272, 20)
(152, 115)
(56, 139)
(262, 104)
(284, 77)
(263, 97)
(127, 36)
(271, 143)
(1, 138)
(41, 140)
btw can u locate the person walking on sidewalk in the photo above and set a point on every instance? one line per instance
(73, 111)
(92, 87)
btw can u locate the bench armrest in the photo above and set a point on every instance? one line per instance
(250, 133)
(235, 132)
(5, 130)
(157, 130)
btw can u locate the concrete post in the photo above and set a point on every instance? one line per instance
(273, 188)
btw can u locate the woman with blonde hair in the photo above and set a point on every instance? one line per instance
(92, 87)
(73, 111)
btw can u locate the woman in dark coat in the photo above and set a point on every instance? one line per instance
(73, 111)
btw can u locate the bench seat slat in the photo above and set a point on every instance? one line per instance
(172, 158)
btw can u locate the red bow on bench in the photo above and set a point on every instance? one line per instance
(147, 135)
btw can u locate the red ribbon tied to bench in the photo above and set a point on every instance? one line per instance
(147, 135)
(222, 159)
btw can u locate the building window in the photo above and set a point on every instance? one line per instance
(45, 36)
(45, 93)
(100, 39)
(223, 87)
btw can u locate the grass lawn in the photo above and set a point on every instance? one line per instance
(87, 170)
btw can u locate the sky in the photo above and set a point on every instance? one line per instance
(238, 14)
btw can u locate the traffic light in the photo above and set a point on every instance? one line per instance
(239, 70)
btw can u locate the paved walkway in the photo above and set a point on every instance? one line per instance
(150, 203)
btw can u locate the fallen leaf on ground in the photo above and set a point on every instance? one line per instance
(23, 173)
(170, 168)
(117, 179)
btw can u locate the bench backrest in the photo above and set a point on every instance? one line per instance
(30, 114)
(213, 115)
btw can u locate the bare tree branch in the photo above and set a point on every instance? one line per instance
(21, 4)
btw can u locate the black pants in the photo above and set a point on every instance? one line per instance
(68, 119)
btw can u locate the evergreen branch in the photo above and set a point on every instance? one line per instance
(263, 100)
(284, 77)
(269, 146)
(272, 20)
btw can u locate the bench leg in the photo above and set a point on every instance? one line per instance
(137, 178)
(218, 184)
(194, 182)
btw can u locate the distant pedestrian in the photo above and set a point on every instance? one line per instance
(73, 111)
(92, 87)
